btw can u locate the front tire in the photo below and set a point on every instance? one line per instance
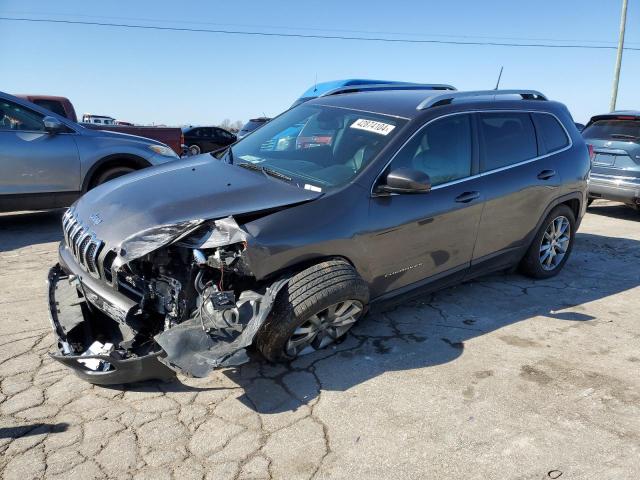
(317, 306)
(110, 174)
(552, 245)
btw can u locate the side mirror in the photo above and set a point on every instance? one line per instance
(405, 180)
(53, 125)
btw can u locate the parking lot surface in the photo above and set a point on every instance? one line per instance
(503, 377)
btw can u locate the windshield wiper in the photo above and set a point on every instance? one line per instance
(220, 153)
(266, 170)
(624, 135)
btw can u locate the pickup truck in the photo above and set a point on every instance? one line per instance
(170, 136)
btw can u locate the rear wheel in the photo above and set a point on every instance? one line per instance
(194, 150)
(552, 245)
(318, 306)
(633, 206)
(110, 174)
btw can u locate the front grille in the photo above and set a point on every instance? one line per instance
(82, 243)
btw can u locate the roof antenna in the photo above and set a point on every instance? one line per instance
(499, 77)
(315, 83)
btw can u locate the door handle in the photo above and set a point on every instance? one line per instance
(546, 174)
(466, 197)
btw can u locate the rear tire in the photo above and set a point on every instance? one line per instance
(110, 174)
(633, 206)
(194, 150)
(552, 245)
(317, 306)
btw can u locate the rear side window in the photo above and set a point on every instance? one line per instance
(550, 132)
(505, 139)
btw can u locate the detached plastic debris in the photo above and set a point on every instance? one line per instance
(97, 348)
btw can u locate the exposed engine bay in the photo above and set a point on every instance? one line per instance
(192, 304)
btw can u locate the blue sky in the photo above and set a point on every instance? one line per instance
(199, 78)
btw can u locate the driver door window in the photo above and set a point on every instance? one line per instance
(16, 117)
(442, 150)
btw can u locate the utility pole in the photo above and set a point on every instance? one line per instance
(616, 75)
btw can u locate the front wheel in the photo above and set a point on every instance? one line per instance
(552, 245)
(111, 173)
(318, 306)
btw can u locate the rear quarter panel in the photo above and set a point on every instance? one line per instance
(574, 164)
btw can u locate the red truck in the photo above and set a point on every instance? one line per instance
(170, 136)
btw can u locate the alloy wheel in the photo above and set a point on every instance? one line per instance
(323, 328)
(555, 243)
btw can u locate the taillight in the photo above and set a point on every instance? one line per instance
(182, 139)
(592, 152)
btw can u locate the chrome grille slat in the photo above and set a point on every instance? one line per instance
(82, 243)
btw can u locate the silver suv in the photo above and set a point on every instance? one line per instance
(48, 161)
(615, 143)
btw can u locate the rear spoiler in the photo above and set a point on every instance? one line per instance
(615, 116)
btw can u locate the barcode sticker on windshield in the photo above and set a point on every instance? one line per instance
(373, 126)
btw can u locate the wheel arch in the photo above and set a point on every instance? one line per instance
(110, 161)
(299, 266)
(573, 200)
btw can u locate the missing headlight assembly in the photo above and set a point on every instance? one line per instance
(191, 306)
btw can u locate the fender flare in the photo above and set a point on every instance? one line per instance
(578, 196)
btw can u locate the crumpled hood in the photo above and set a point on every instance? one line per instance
(164, 202)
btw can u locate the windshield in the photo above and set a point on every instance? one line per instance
(613, 129)
(317, 147)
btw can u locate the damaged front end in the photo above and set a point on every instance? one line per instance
(177, 298)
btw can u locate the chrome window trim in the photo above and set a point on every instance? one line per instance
(488, 172)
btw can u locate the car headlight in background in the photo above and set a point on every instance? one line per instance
(164, 151)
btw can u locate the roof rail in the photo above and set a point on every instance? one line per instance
(446, 98)
(389, 86)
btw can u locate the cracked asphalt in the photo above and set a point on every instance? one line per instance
(502, 377)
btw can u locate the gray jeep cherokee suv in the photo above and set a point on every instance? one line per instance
(284, 250)
(48, 161)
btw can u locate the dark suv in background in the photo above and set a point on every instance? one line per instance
(615, 140)
(206, 139)
(284, 250)
(251, 125)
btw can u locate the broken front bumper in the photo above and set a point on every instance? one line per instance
(69, 310)
(84, 312)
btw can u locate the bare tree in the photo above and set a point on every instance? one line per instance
(226, 124)
(236, 126)
(230, 126)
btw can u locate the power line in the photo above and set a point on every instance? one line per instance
(308, 28)
(312, 36)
